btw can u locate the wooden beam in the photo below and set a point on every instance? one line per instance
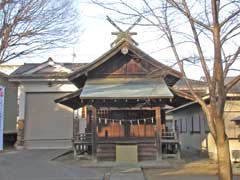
(126, 108)
(159, 132)
(145, 128)
(94, 133)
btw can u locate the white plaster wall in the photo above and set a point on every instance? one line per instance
(232, 110)
(232, 106)
(209, 144)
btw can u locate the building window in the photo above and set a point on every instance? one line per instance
(178, 125)
(196, 124)
(183, 125)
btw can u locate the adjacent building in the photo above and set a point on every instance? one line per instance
(10, 109)
(194, 135)
(41, 122)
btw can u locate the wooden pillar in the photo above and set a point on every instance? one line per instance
(94, 133)
(145, 129)
(158, 132)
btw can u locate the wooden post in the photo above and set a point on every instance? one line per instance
(145, 129)
(94, 133)
(158, 133)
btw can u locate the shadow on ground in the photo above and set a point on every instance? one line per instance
(197, 169)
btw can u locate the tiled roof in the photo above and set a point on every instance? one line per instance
(195, 83)
(20, 72)
(202, 85)
(24, 68)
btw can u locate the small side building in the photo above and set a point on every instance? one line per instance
(194, 135)
(41, 123)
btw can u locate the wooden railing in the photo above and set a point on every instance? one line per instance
(169, 135)
(83, 138)
(81, 142)
(170, 144)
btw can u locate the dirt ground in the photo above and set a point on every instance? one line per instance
(198, 169)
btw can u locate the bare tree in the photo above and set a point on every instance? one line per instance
(212, 28)
(27, 26)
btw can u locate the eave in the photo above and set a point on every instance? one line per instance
(38, 79)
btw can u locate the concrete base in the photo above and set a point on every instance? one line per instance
(108, 164)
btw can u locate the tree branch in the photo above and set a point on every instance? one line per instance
(199, 48)
(231, 61)
(229, 17)
(30, 23)
(176, 5)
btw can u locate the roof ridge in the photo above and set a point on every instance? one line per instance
(55, 62)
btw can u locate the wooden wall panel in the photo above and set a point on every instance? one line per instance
(122, 65)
